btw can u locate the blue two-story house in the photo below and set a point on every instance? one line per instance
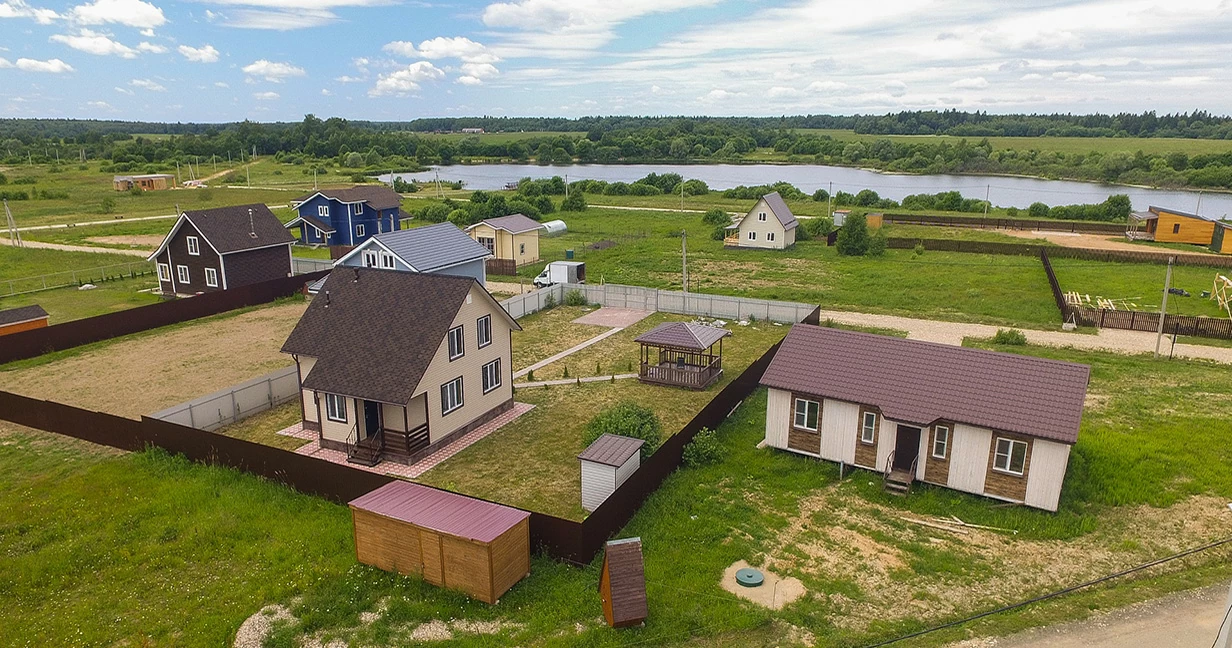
(347, 216)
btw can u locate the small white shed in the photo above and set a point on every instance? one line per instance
(606, 464)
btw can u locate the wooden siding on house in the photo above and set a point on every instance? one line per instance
(936, 471)
(1191, 230)
(867, 453)
(598, 483)
(177, 254)
(750, 223)
(778, 417)
(1003, 484)
(308, 398)
(1221, 240)
(804, 441)
(837, 419)
(510, 558)
(969, 458)
(255, 266)
(509, 246)
(29, 325)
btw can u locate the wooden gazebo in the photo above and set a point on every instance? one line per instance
(682, 354)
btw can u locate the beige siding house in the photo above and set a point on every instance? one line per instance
(513, 241)
(768, 225)
(379, 388)
(994, 424)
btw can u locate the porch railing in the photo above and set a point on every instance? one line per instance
(693, 377)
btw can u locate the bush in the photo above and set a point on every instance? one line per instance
(108, 205)
(3, 179)
(1038, 210)
(877, 244)
(402, 186)
(434, 213)
(543, 204)
(135, 190)
(629, 419)
(549, 302)
(717, 217)
(819, 227)
(918, 250)
(576, 202)
(1010, 336)
(853, 239)
(704, 449)
(1011, 212)
(359, 178)
(461, 218)
(719, 233)
(519, 206)
(575, 298)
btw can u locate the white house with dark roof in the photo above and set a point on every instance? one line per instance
(441, 249)
(768, 225)
(994, 424)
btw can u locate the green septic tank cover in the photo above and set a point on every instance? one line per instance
(749, 577)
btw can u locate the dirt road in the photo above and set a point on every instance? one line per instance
(1092, 241)
(77, 248)
(1182, 620)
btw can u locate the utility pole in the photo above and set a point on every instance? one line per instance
(1224, 640)
(14, 233)
(248, 172)
(987, 190)
(314, 178)
(1198, 209)
(177, 172)
(682, 195)
(684, 259)
(829, 198)
(566, 185)
(1163, 309)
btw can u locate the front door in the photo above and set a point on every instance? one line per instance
(906, 447)
(372, 418)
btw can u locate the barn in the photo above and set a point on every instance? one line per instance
(606, 464)
(454, 541)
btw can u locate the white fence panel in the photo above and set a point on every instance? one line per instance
(664, 301)
(235, 403)
(303, 265)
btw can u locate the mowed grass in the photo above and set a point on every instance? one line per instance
(549, 332)
(1141, 285)
(1059, 144)
(28, 262)
(70, 303)
(21, 270)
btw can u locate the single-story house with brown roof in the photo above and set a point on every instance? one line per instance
(768, 225)
(994, 424)
(512, 239)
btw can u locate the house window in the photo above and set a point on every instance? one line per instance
(769, 236)
(357, 209)
(483, 330)
(806, 414)
(1010, 457)
(164, 272)
(1176, 228)
(521, 248)
(489, 243)
(211, 277)
(387, 261)
(491, 376)
(335, 408)
(868, 428)
(762, 217)
(182, 271)
(369, 258)
(941, 441)
(359, 231)
(323, 211)
(451, 395)
(194, 247)
(455, 343)
(752, 236)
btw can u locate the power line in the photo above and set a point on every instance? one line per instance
(1219, 631)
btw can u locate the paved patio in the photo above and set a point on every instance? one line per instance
(418, 468)
(614, 317)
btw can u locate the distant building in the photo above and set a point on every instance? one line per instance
(1221, 242)
(347, 217)
(436, 249)
(472, 131)
(215, 249)
(513, 241)
(150, 182)
(25, 318)
(1171, 226)
(769, 224)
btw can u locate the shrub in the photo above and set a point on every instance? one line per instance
(359, 178)
(3, 179)
(460, 217)
(819, 227)
(543, 204)
(704, 449)
(402, 186)
(877, 243)
(853, 239)
(717, 217)
(519, 206)
(918, 250)
(719, 233)
(434, 213)
(576, 202)
(530, 376)
(802, 234)
(1010, 336)
(1038, 210)
(136, 191)
(575, 298)
(629, 419)
(1012, 212)
(108, 205)
(549, 302)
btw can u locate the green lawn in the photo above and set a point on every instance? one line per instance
(67, 304)
(1141, 285)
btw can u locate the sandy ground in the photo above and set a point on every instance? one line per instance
(1182, 620)
(76, 248)
(509, 287)
(150, 372)
(145, 241)
(1090, 241)
(775, 593)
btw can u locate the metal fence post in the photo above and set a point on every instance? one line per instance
(192, 420)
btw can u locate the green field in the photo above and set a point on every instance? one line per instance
(1140, 286)
(1058, 144)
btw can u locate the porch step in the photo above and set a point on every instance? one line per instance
(364, 457)
(898, 482)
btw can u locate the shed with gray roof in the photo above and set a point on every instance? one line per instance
(606, 464)
(441, 248)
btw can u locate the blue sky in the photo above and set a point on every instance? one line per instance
(223, 60)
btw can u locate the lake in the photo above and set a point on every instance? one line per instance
(1002, 191)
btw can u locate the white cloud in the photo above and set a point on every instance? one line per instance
(280, 20)
(458, 47)
(970, 83)
(133, 13)
(147, 84)
(895, 88)
(95, 43)
(326, 92)
(782, 92)
(203, 54)
(826, 86)
(1083, 77)
(470, 80)
(99, 105)
(50, 66)
(151, 48)
(718, 95)
(272, 71)
(404, 49)
(560, 27)
(148, 33)
(124, 91)
(406, 80)
(221, 84)
(213, 15)
(19, 9)
(479, 71)
(1033, 76)
(265, 96)
(349, 79)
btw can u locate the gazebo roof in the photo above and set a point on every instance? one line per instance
(683, 335)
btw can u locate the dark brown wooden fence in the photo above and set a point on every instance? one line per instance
(36, 342)
(1057, 251)
(1007, 223)
(502, 267)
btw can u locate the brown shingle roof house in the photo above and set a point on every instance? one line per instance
(226, 247)
(395, 364)
(994, 424)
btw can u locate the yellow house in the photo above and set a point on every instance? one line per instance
(1172, 226)
(513, 241)
(1221, 242)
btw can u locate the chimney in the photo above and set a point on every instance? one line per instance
(356, 271)
(326, 299)
(252, 231)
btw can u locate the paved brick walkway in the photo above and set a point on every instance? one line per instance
(418, 468)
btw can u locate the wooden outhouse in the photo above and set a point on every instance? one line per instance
(606, 464)
(1221, 242)
(453, 541)
(622, 583)
(16, 320)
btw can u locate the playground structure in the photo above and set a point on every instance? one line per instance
(1221, 292)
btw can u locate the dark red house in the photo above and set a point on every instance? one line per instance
(227, 247)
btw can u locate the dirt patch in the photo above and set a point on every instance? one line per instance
(150, 372)
(144, 241)
(256, 628)
(601, 245)
(775, 593)
(613, 317)
(1088, 241)
(509, 288)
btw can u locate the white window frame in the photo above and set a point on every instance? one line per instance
(1007, 466)
(752, 236)
(335, 408)
(941, 437)
(181, 272)
(455, 338)
(357, 209)
(868, 431)
(369, 258)
(451, 396)
(769, 236)
(491, 375)
(483, 331)
(797, 415)
(359, 230)
(387, 261)
(761, 217)
(164, 272)
(194, 246)
(323, 211)
(211, 277)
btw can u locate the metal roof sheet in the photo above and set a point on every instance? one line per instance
(612, 450)
(922, 382)
(441, 511)
(377, 196)
(434, 246)
(684, 335)
(780, 209)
